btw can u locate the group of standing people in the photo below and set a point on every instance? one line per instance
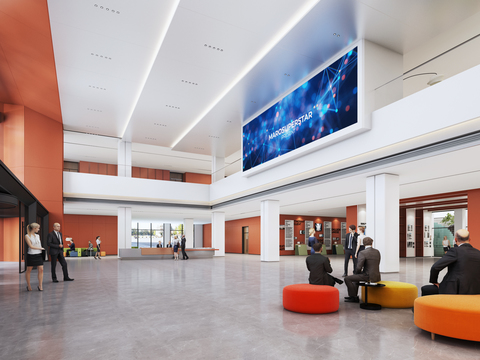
(56, 246)
(179, 244)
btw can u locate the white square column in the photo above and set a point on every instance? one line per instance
(460, 219)
(383, 196)
(218, 168)
(269, 229)
(218, 233)
(124, 159)
(124, 224)
(188, 232)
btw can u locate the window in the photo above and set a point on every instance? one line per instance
(176, 177)
(70, 166)
(146, 235)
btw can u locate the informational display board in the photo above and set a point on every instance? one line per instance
(343, 232)
(308, 226)
(327, 235)
(323, 105)
(289, 243)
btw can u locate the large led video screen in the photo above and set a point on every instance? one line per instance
(321, 106)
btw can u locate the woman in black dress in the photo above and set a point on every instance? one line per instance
(34, 255)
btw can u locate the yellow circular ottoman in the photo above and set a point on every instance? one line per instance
(397, 295)
(456, 316)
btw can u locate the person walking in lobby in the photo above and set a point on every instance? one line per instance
(97, 253)
(175, 248)
(368, 269)
(55, 244)
(463, 263)
(360, 245)
(320, 268)
(184, 254)
(445, 244)
(34, 255)
(350, 249)
(311, 240)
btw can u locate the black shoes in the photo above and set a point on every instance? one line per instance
(344, 275)
(38, 287)
(28, 289)
(68, 279)
(338, 281)
(55, 280)
(352, 299)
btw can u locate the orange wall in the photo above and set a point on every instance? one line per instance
(473, 216)
(44, 162)
(97, 168)
(10, 239)
(297, 227)
(197, 178)
(14, 134)
(87, 227)
(2, 241)
(233, 232)
(233, 235)
(352, 215)
(207, 235)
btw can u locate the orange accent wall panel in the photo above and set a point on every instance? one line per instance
(102, 169)
(159, 174)
(10, 231)
(27, 65)
(112, 170)
(166, 175)
(135, 172)
(151, 173)
(87, 227)
(84, 167)
(44, 164)
(233, 235)
(207, 235)
(301, 226)
(352, 215)
(93, 168)
(473, 216)
(14, 140)
(197, 178)
(144, 173)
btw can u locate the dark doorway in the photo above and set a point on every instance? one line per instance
(245, 240)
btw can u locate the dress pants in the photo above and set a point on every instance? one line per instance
(184, 253)
(352, 283)
(62, 261)
(348, 253)
(429, 290)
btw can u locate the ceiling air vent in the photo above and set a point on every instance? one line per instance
(173, 107)
(96, 87)
(211, 47)
(189, 82)
(100, 56)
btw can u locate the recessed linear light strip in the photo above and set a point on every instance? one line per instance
(163, 33)
(299, 15)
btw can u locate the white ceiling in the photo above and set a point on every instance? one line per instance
(134, 90)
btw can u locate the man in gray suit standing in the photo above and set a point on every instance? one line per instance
(368, 269)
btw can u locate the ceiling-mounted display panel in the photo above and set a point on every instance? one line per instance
(324, 105)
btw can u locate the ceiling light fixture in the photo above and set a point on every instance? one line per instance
(161, 37)
(289, 25)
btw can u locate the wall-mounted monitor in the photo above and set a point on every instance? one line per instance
(320, 107)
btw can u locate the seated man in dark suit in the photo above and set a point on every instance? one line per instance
(319, 267)
(463, 263)
(368, 269)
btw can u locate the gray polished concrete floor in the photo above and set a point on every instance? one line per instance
(220, 308)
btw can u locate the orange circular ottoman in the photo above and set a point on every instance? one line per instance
(311, 299)
(455, 316)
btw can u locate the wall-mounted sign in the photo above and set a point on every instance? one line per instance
(289, 234)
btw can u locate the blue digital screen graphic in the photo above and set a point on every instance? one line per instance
(321, 106)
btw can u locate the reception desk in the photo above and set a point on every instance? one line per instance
(163, 253)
